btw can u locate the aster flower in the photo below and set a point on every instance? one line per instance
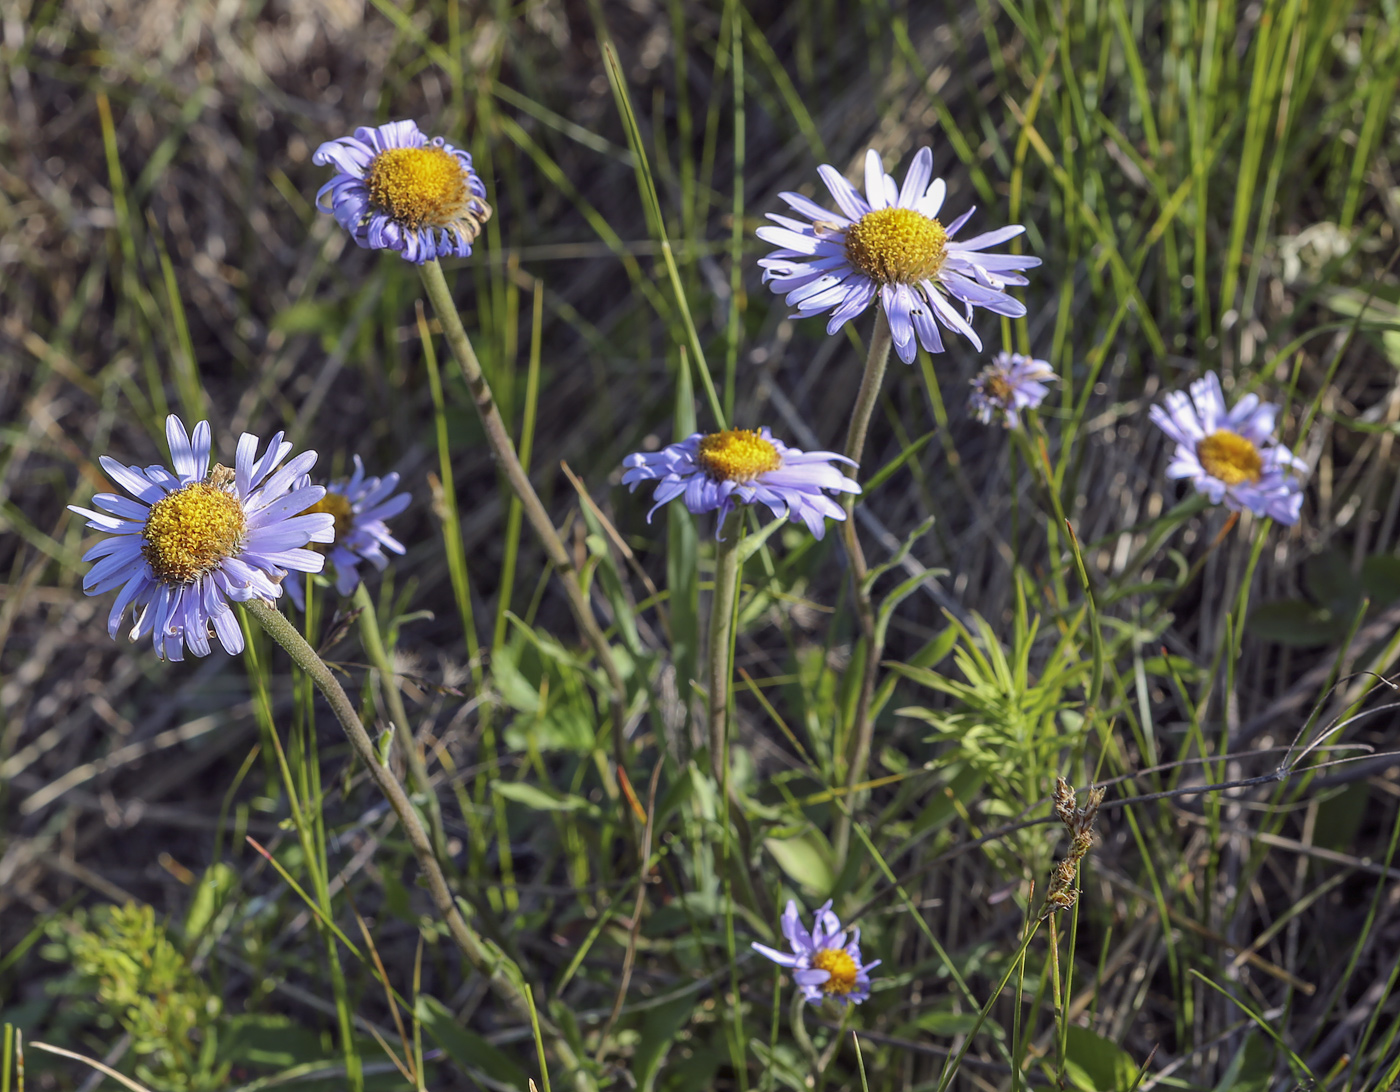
(892, 245)
(398, 190)
(359, 506)
(1230, 455)
(1010, 383)
(719, 471)
(195, 540)
(823, 963)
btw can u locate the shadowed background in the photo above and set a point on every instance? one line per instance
(1209, 188)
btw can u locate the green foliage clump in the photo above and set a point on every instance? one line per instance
(124, 961)
(1013, 725)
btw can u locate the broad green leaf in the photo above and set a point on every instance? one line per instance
(1296, 624)
(658, 1032)
(1095, 1064)
(466, 1048)
(806, 859)
(1380, 576)
(266, 1039)
(538, 799)
(209, 897)
(940, 809)
(1252, 1067)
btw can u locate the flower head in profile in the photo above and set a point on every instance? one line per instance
(195, 540)
(359, 505)
(719, 471)
(398, 190)
(891, 243)
(1009, 384)
(1230, 455)
(823, 963)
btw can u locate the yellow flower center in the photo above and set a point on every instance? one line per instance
(190, 531)
(418, 186)
(1229, 457)
(737, 455)
(1000, 390)
(836, 962)
(338, 506)
(896, 246)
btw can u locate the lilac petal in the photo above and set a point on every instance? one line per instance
(129, 594)
(121, 506)
(132, 480)
(860, 291)
(182, 455)
(782, 959)
(810, 209)
(306, 561)
(932, 201)
(926, 329)
(846, 195)
(991, 238)
(875, 191)
(789, 239)
(113, 570)
(916, 181)
(952, 229)
(946, 314)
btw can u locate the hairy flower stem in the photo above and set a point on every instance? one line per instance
(403, 731)
(491, 964)
(503, 449)
(863, 727)
(721, 629)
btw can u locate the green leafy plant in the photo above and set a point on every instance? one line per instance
(136, 977)
(1015, 725)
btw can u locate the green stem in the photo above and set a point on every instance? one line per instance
(493, 966)
(503, 449)
(721, 629)
(863, 728)
(373, 642)
(799, 1028)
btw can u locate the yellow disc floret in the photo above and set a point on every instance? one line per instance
(190, 531)
(419, 186)
(339, 508)
(1229, 457)
(737, 455)
(999, 388)
(896, 246)
(837, 963)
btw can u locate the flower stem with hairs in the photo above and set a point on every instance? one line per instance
(863, 726)
(393, 697)
(488, 961)
(721, 628)
(503, 449)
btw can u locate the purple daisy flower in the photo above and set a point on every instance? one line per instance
(893, 245)
(719, 471)
(398, 190)
(1230, 455)
(359, 506)
(198, 539)
(1010, 383)
(823, 963)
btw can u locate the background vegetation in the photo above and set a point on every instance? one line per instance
(198, 887)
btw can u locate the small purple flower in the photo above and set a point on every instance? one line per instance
(1231, 455)
(198, 539)
(719, 471)
(823, 964)
(892, 245)
(359, 506)
(398, 190)
(1010, 383)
